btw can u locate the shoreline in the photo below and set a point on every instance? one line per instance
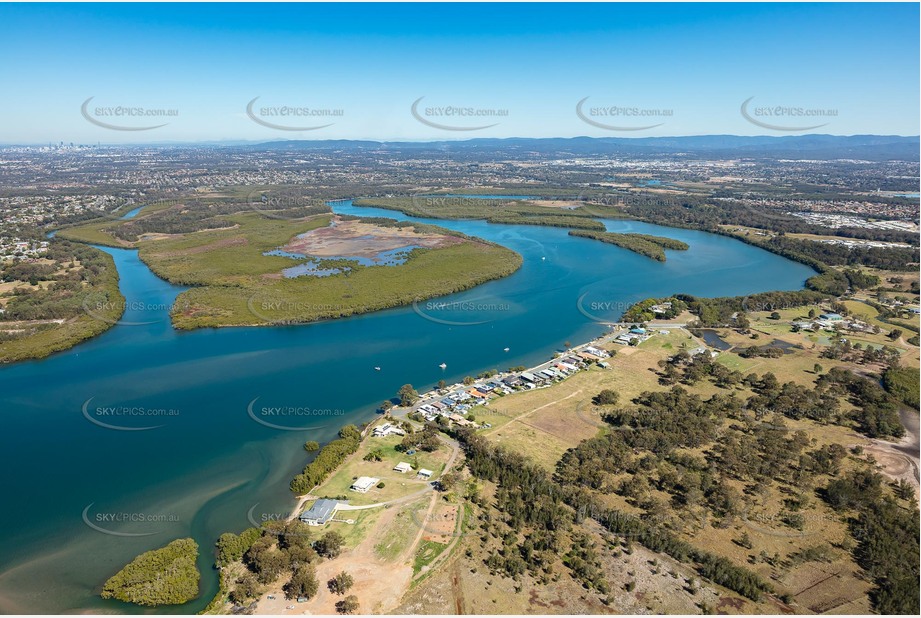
(215, 605)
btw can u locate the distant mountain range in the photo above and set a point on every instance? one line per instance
(867, 147)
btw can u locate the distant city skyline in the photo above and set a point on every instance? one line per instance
(155, 73)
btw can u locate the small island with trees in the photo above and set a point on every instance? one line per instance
(165, 576)
(644, 244)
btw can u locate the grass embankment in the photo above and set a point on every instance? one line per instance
(238, 285)
(644, 244)
(515, 212)
(74, 298)
(100, 231)
(165, 576)
(96, 233)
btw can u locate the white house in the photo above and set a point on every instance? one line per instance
(425, 474)
(320, 512)
(387, 429)
(363, 483)
(403, 467)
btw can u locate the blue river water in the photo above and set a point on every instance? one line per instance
(199, 452)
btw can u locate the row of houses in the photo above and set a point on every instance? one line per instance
(634, 336)
(423, 473)
(13, 247)
(460, 401)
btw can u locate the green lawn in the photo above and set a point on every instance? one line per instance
(425, 554)
(396, 485)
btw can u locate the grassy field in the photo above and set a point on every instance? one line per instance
(97, 232)
(396, 485)
(427, 552)
(395, 538)
(93, 233)
(543, 423)
(363, 523)
(813, 343)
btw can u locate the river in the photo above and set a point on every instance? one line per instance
(204, 466)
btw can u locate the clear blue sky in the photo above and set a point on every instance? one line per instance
(372, 61)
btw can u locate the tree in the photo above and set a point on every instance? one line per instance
(448, 481)
(607, 397)
(895, 333)
(407, 395)
(245, 589)
(311, 446)
(350, 432)
(330, 544)
(817, 368)
(268, 565)
(903, 489)
(231, 547)
(303, 583)
(442, 385)
(300, 554)
(341, 583)
(775, 315)
(348, 605)
(468, 380)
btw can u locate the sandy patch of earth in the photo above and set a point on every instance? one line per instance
(568, 204)
(359, 239)
(379, 584)
(441, 524)
(893, 464)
